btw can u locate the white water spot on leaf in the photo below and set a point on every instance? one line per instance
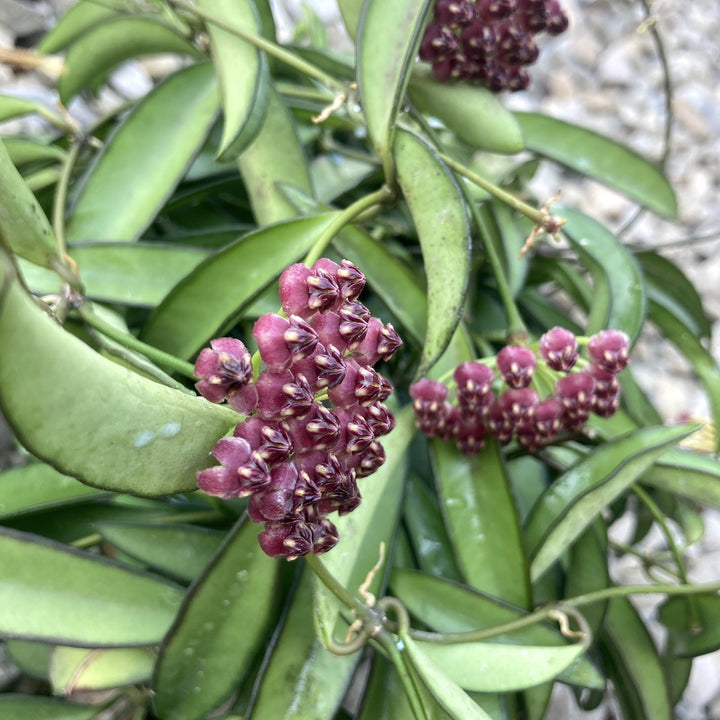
(170, 430)
(143, 438)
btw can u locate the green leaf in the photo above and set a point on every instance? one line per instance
(350, 11)
(52, 593)
(24, 229)
(221, 626)
(438, 211)
(81, 670)
(181, 551)
(633, 664)
(181, 324)
(388, 38)
(693, 624)
(105, 45)
(689, 474)
(244, 94)
(22, 707)
(31, 657)
(385, 698)
(91, 418)
(482, 520)
(362, 531)
(37, 487)
(618, 300)
(156, 143)
(453, 699)
(571, 503)
(136, 274)
(74, 23)
(449, 607)
(473, 113)
(30, 152)
(499, 667)
(600, 158)
(12, 107)
(275, 157)
(703, 363)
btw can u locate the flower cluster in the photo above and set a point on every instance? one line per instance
(315, 412)
(510, 408)
(489, 41)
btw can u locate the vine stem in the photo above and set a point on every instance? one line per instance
(132, 343)
(335, 587)
(60, 198)
(263, 44)
(345, 217)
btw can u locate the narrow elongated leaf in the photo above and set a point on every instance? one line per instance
(619, 298)
(600, 158)
(228, 281)
(438, 211)
(275, 157)
(74, 23)
(703, 363)
(362, 531)
(24, 229)
(453, 699)
(350, 11)
(473, 113)
(244, 94)
(181, 551)
(634, 665)
(571, 503)
(52, 593)
(482, 521)
(688, 474)
(37, 487)
(388, 38)
(28, 152)
(81, 670)
(105, 45)
(213, 642)
(137, 274)
(12, 107)
(22, 707)
(91, 418)
(449, 607)
(693, 624)
(154, 142)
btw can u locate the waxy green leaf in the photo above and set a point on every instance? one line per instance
(689, 474)
(81, 670)
(12, 107)
(74, 23)
(24, 229)
(155, 142)
(438, 211)
(350, 11)
(220, 628)
(105, 45)
(29, 152)
(618, 299)
(600, 158)
(571, 503)
(52, 593)
(91, 418)
(693, 624)
(228, 281)
(388, 38)
(244, 94)
(473, 113)
(22, 707)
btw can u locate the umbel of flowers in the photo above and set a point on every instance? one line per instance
(489, 41)
(508, 407)
(315, 412)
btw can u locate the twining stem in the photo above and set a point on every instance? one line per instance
(263, 44)
(335, 587)
(345, 217)
(131, 342)
(60, 199)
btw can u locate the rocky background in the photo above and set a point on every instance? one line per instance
(605, 73)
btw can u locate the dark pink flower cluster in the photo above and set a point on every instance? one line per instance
(509, 407)
(489, 41)
(315, 412)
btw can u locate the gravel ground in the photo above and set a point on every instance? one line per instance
(604, 73)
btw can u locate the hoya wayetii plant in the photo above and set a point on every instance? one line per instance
(304, 427)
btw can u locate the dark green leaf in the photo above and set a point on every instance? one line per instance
(228, 281)
(23, 707)
(91, 418)
(221, 626)
(388, 38)
(689, 474)
(106, 44)
(618, 295)
(571, 503)
(438, 211)
(600, 158)
(473, 113)
(52, 593)
(693, 624)
(155, 142)
(32, 658)
(385, 697)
